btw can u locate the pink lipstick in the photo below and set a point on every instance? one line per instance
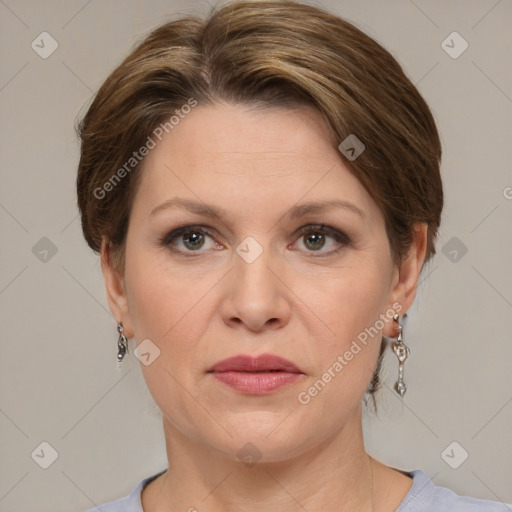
(256, 375)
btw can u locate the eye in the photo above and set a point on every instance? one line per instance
(190, 239)
(315, 238)
(197, 239)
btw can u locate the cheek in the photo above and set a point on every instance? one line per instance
(356, 297)
(346, 359)
(163, 306)
(166, 307)
(158, 295)
(351, 306)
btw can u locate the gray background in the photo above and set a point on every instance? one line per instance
(58, 379)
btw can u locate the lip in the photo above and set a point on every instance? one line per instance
(256, 375)
(262, 363)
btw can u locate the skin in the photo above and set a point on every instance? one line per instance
(293, 301)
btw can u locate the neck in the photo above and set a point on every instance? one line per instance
(336, 476)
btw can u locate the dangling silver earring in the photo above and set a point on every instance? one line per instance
(402, 353)
(122, 344)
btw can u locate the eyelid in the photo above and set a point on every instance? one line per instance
(178, 231)
(325, 229)
(339, 236)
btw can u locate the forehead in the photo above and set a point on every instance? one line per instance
(248, 159)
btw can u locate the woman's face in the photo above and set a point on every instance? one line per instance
(260, 276)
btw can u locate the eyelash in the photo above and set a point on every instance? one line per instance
(339, 236)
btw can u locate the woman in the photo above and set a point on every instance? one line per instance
(264, 190)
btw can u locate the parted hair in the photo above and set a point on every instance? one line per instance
(268, 53)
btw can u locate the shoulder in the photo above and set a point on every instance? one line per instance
(130, 503)
(120, 505)
(425, 496)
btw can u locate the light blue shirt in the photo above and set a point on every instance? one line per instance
(423, 496)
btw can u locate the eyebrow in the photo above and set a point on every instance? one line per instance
(297, 211)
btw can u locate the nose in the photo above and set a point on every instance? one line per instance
(256, 297)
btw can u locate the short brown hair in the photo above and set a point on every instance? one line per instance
(270, 53)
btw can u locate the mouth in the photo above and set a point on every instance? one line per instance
(264, 363)
(256, 375)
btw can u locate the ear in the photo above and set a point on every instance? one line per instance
(406, 276)
(115, 287)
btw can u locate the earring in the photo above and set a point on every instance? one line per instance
(402, 353)
(122, 344)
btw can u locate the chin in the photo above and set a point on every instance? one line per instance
(265, 437)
